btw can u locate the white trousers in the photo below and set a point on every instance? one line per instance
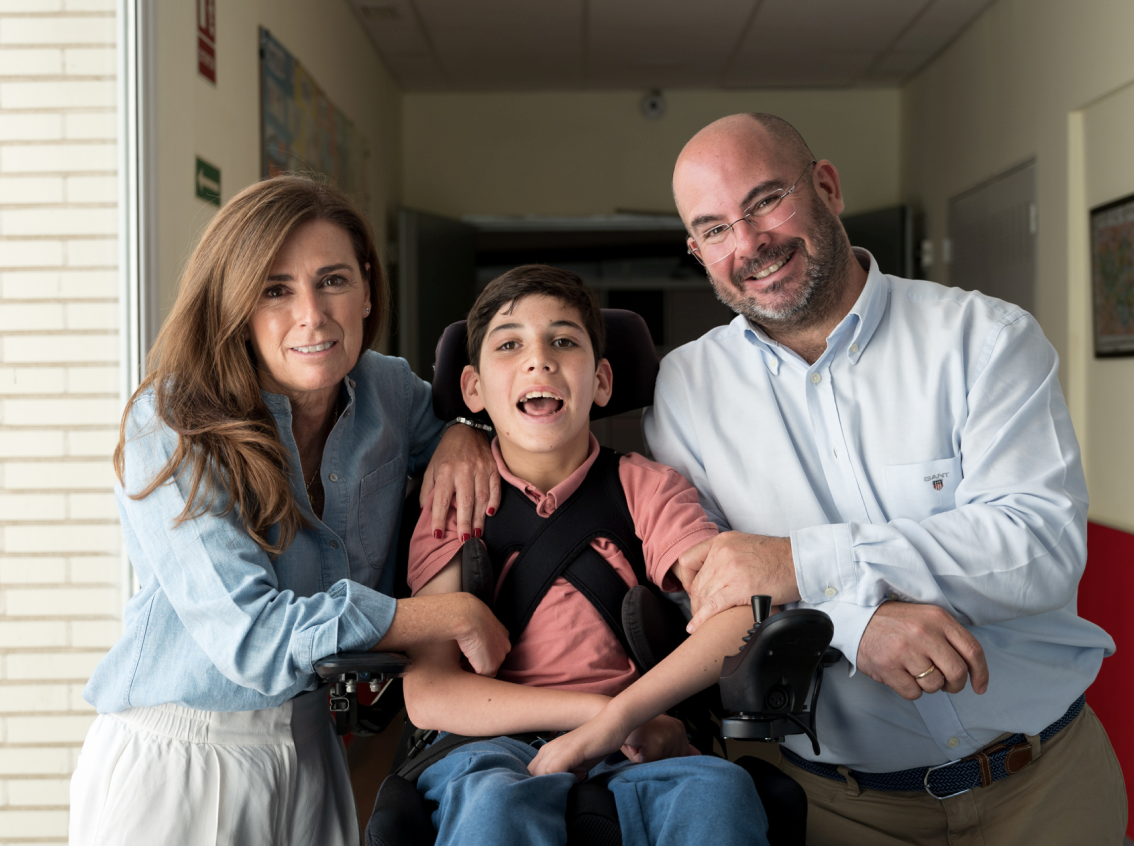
(181, 777)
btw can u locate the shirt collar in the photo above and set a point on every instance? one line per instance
(861, 320)
(546, 503)
(868, 309)
(280, 405)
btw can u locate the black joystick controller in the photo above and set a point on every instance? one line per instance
(764, 687)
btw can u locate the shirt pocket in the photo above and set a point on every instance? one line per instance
(379, 505)
(918, 491)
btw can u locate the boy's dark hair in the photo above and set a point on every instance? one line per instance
(532, 280)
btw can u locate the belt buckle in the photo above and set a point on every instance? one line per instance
(929, 790)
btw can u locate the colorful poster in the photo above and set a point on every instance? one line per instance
(302, 130)
(1112, 272)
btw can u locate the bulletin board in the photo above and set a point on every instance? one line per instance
(302, 131)
(1112, 277)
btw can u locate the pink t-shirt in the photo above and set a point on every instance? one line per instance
(567, 644)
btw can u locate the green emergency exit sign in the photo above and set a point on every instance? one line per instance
(208, 182)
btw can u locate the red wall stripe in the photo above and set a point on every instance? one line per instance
(1105, 598)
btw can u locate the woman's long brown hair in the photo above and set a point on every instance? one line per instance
(202, 370)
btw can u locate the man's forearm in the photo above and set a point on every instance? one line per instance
(984, 564)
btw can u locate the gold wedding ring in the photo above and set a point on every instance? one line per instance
(926, 673)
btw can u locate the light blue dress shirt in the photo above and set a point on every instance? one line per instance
(217, 624)
(927, 456)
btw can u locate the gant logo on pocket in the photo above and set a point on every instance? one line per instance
(938, 480)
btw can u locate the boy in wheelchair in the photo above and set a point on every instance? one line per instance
(536, 337)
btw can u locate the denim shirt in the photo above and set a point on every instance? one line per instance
(220, 626)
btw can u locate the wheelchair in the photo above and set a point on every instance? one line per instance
(763, 689)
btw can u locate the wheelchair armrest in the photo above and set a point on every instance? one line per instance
(362, 666)
(765, 685)
(382, 671)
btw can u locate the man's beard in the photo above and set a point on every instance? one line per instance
(824, 278)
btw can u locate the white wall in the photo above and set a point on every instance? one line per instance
(221, 123)
(1108, 174)
(577, 153)
(59, 404)
(1014, 86)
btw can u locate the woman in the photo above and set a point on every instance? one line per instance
(261, 468)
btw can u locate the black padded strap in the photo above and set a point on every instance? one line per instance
(594, 578)
(597, 509)
(620, 523)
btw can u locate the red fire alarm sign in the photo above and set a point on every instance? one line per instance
(207, 39)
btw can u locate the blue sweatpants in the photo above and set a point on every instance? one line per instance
(485, 795)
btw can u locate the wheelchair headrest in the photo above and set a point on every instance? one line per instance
(629, 349)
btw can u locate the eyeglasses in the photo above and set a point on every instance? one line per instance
(764, 215)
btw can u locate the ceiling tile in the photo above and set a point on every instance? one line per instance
(392, 26)
(418, 73)
(485, 76)
(507, 45)
(702, 53)
(512, 14)
(509, 59)
(490, 45)
(778, 69)
(399, 40)
(941, 23)
(862, 25)
(899, 64)
(608, 77)
(677, 14)
(851, 13)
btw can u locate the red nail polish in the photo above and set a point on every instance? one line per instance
(464, 536)
(437, 533)
(491, 511)
(477, 532)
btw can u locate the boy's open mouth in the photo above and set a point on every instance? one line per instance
(540, 404)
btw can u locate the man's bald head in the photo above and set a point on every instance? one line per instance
(785, 274)
(785, 137)
(747, 133)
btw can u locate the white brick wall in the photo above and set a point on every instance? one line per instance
(59, 404)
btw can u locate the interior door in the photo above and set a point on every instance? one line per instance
(436, 282)
(992, 232)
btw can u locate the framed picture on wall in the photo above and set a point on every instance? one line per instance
(301, 129)
(1112, 276)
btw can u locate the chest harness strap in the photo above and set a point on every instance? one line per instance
(550, 547)
(560, 545)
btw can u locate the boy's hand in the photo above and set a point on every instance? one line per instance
(579, 750)
(662, 737)
(464, 474)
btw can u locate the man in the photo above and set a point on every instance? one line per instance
(900, 456)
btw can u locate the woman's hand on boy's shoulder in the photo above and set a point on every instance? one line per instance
(462, 473)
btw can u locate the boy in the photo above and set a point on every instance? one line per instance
(535, 342)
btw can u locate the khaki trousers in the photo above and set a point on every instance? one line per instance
(1072, 794)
